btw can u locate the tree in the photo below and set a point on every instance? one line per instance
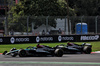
(85, 7)
(41, 8)
(36, 8)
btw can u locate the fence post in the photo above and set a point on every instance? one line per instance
(65, 23)
(27, 24)
(96, 24)
(5, 26)
(81, 23)
(67, 26)
(70, 27)
(47, 23)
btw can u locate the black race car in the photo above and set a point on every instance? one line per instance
(72, 48)
(35, 51)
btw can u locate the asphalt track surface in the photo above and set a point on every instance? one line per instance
(67, 60)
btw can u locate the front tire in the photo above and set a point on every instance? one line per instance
(87, 50)
(58, 52)
(22, 53)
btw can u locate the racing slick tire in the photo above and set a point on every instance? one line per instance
(22, 53)
(87, 50)
(58, 52)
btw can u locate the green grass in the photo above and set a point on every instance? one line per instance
(95, 45)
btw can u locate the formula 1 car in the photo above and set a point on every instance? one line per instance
(35, 52)
(72, 48)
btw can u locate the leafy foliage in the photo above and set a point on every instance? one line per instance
(41, 8)
(36, 8)
(85, 7)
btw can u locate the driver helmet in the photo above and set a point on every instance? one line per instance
(39, 46)
(70, 44)
(13, 49)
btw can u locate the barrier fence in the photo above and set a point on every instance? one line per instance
(48, 39)
(36, 25)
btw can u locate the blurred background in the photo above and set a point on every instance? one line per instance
(54, 17)
(34, 25)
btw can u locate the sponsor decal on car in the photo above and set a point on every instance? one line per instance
(38, 39)
(64, 38)
(96, 37)
(13, 40)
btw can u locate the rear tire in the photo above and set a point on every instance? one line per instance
(87, 50)
(22, 53)
(58, 52)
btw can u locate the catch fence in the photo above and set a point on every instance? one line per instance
(49, 25)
